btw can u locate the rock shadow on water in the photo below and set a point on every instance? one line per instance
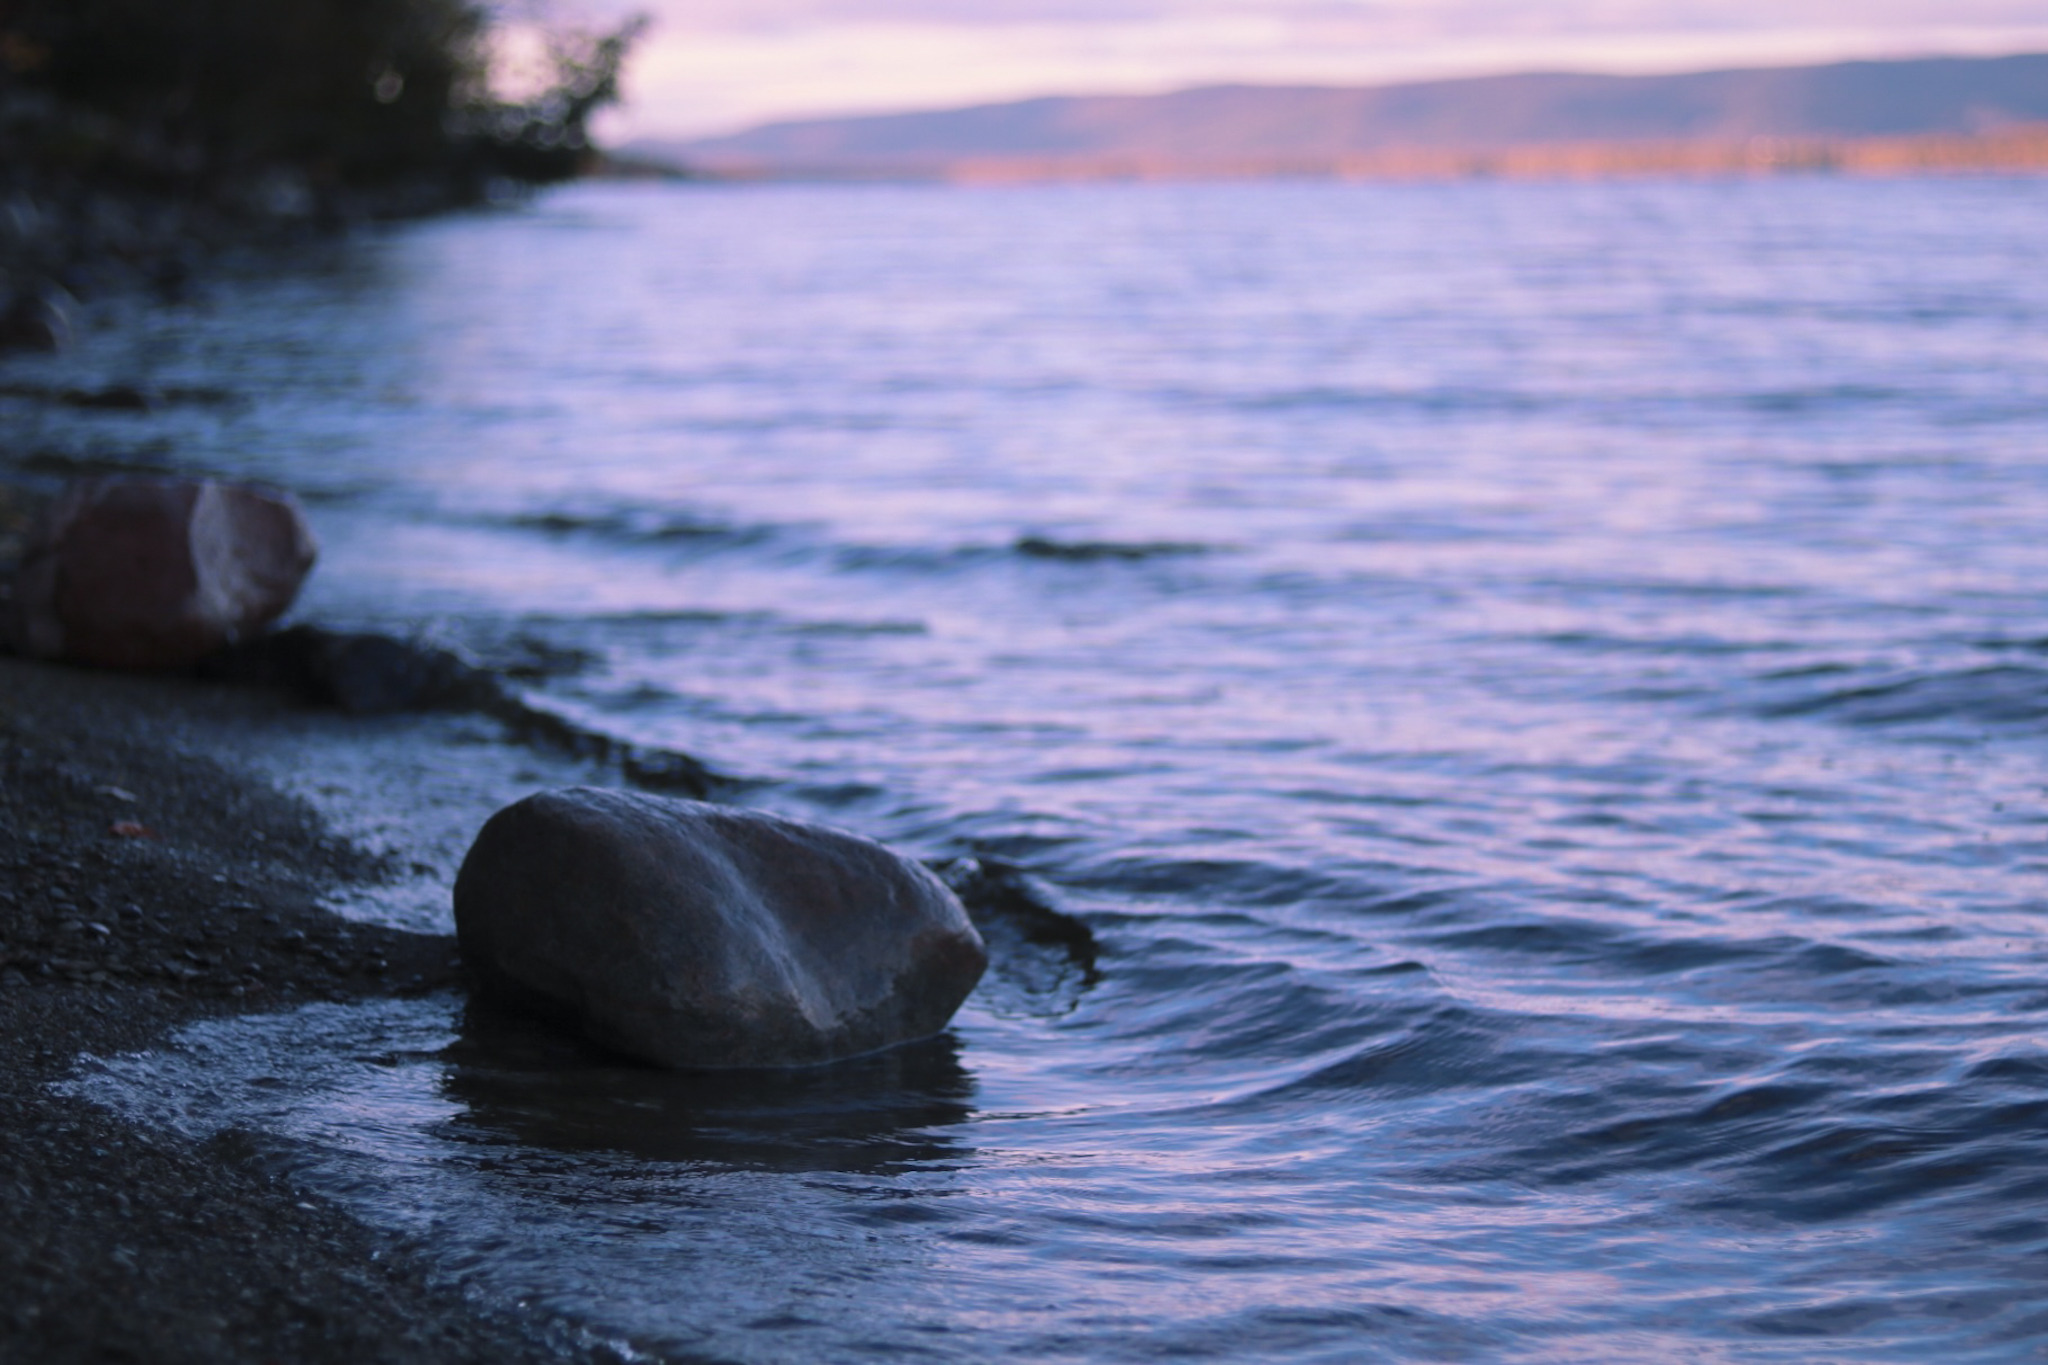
(521, 1081)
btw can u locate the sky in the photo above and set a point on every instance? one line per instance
(712, 66)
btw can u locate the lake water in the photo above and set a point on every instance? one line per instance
(1540, 693)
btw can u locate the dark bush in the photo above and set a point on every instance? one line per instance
(348, 93)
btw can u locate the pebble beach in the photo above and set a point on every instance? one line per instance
(145, 884)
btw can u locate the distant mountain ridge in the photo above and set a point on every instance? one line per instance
(1921, 97)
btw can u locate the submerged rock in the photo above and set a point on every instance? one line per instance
(113, 398)
(156, 573)
(367, 674)
(705, 937)
(1042, 960)
(36, 320)
(360, 673)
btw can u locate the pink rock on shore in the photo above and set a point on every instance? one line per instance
(157, 573)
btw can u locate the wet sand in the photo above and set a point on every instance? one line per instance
(144, 883)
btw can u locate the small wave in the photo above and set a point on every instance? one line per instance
(1998, 694)
(1422, 400)
(1821, 398)
(1615, 642)
(1452, 1047)
(859, 628)
(913, 558)
(945, 559)
(1233, 881)
(1098, 551)
(1674, 1137)
(1834, 1168)
(140, 399)
(641, 528)
(654, 617)
(768, 622)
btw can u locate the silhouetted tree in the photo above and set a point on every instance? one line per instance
(544, 138)
(353, 93)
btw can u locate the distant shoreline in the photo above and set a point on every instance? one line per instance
(1913, 115)
(2022, 150)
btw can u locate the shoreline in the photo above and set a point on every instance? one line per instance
(148, 884)
(2017, 151)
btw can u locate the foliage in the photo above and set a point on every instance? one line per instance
(543, 138)
(351, 93)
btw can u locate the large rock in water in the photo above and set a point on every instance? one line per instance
(704, 937)
(158, 573)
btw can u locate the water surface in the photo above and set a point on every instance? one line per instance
(1539, 692)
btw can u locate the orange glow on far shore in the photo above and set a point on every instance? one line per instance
(2016, 150)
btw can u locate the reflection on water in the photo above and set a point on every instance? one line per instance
(524, 1083)
(1508, 721)
(716, 1203)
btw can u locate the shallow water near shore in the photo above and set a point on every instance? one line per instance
(1540, 692)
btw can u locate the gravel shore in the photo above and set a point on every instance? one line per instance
(144, 884)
